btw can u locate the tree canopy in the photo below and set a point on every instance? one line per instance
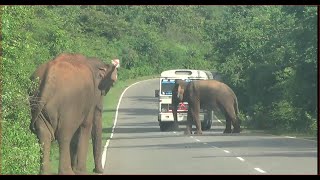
(267, 54)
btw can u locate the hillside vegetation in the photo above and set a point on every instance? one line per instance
(267, 54)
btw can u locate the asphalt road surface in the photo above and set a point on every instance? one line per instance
(139, 147)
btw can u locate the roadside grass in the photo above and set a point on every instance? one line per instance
(108, 115)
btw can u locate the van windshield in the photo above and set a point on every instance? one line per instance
(167, 86)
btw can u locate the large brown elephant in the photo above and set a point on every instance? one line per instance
(65, 106)
(207, 94)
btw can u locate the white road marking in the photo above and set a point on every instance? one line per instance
(205, 143)
(240, 158)
(219, 121)
(191, 136)
(290, 137)
(260, 170)
(226, 151)
(104, 153)
(197, 140)
(174, 132)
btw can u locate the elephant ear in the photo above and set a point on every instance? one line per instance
(108, 75)
(102, 72)
(180, 89)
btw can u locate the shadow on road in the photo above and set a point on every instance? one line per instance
(135, 130)
(270, 154)
(109, 110)
(138, 112)
(143, 99)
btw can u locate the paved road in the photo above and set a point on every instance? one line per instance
(138, 146)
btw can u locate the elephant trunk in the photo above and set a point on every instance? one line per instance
(174, 112)
(97, 139)
(175, 103)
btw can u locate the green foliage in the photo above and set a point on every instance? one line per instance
(283, 116)
(20, 150)
(267, 54)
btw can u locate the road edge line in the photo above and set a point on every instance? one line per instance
(104, 153)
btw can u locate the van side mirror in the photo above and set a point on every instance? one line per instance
(156, 93)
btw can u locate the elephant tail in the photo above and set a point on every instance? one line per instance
(236, 108)
(236, 105)
(37, 104)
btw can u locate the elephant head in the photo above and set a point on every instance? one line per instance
(107, 74)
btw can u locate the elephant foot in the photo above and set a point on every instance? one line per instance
(98, 173)
(78, 172)
(227, 131)
(98, 170)
(67, 172)
(198, 132)
(187, 132)
(236, 130)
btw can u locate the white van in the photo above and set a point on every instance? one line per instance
(166, 83)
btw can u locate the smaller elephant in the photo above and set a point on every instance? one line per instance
(210, 94)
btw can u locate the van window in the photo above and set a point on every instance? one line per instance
(166, 86)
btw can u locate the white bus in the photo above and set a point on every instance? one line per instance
(166, 83)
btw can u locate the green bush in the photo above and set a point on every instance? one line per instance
(20, 149)
(260, 118)
(283, 115)
(272, 69)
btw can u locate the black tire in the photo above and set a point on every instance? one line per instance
(166, 126)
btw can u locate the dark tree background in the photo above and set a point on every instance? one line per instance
(267, 54)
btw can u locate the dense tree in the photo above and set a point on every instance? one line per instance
(267, 54)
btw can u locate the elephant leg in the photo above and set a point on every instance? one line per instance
(229, 115)
(74, 150)
(96, 134)
(188, 130)
(233, 119)
(175, 118)
(195, 110)
(235, 124)
(228, 125)
(82, 149)
(44, 137)
(64, 140)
